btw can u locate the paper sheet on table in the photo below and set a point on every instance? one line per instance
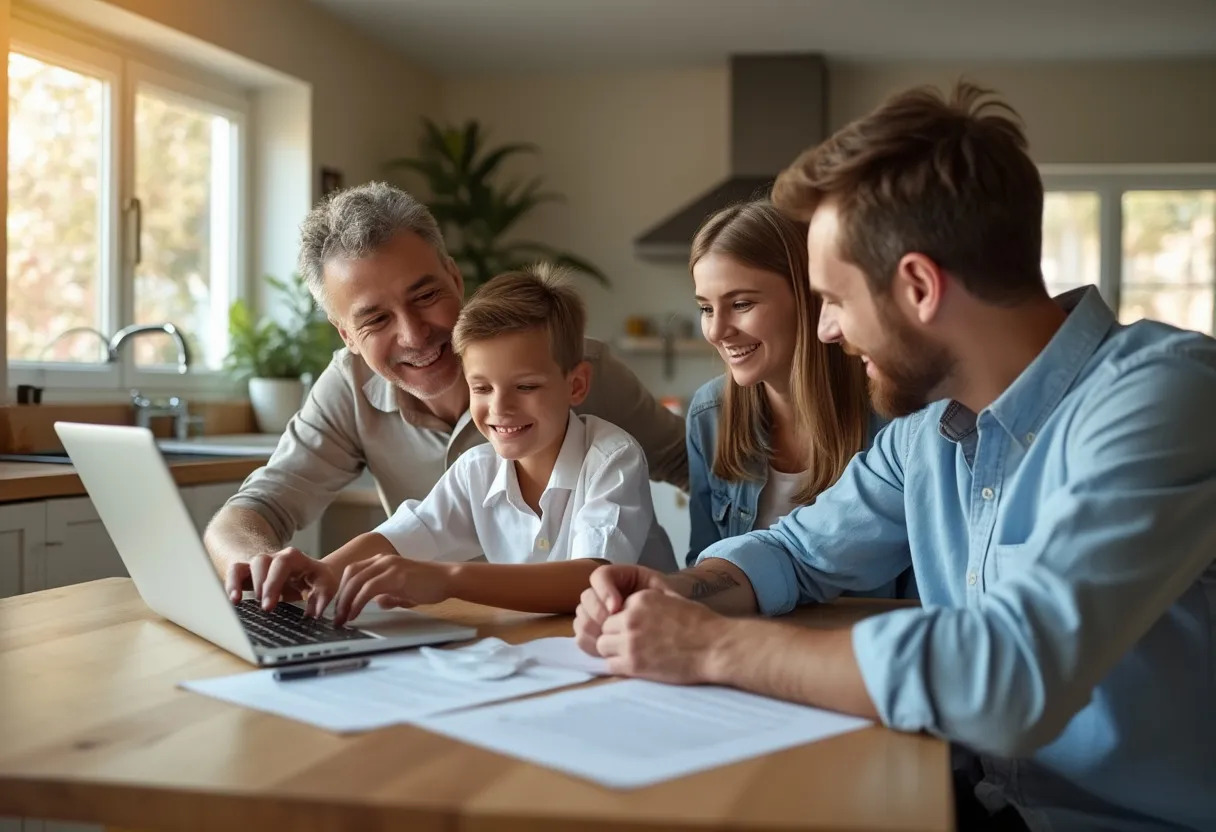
(563, 652)
(635, 733)
(395, 688)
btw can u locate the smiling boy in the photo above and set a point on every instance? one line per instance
(552, 496)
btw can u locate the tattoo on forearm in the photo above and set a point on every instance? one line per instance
(711, 582)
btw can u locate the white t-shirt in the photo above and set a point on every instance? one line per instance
(776, 498)
(597, 505)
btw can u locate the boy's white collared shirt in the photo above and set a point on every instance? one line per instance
(597, 505)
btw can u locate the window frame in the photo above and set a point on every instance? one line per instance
(1110, 183)
(127, 73)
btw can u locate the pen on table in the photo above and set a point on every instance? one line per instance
(287, 674)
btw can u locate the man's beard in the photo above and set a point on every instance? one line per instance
(910, 371)
(427, 393)
(438, 387)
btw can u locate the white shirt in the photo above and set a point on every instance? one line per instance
(776, 498)
(597, 505)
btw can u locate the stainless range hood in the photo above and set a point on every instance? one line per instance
(778, 108)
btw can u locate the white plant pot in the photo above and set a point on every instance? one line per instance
(275, 401)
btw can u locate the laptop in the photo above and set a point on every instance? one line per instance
(142, 510)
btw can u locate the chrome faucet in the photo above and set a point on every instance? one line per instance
(183, 351)
(77, 330)
(175, 407)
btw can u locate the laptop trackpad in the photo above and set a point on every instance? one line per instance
(395, 622)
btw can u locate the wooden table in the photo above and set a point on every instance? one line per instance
(92, 728)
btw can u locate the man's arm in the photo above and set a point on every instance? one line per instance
(719, 585)
(815, 667)
(319, 454)
(1127, 532)
(853, 537)
(618, 397)
(236, 534)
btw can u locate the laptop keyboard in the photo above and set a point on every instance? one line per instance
(287, 626)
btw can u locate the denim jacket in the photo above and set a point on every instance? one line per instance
(720, 508)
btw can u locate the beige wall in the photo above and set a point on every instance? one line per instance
(1143, 112)
(366, 99)
(628, 148)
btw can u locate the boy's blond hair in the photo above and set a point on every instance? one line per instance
(532, 298)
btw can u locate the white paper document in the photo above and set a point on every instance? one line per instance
(396, 688)
(636, 733)
(563, 652)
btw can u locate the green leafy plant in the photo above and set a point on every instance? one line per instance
(474, 212)
(302, 344)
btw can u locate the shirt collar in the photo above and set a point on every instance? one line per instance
(1028, 402)
(566, 469)
(381, 394)
(387, 397)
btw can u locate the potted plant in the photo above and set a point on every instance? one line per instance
(278, 356)
(476, 214)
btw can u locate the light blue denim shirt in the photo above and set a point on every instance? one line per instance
(719, 508)
(1063, 545)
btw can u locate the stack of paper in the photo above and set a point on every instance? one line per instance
(635, 733)
(623, 735)
(396, 688)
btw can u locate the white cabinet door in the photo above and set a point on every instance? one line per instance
(78, 548)
(22, 548)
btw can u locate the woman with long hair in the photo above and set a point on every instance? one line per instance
(791, 411)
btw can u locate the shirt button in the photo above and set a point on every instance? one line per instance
(542, 543)
(971, 579)
(987, 493)
(1029, 437)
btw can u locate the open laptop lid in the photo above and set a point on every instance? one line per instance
(142, 510)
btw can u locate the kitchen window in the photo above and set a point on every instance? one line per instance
(125, 206)
(1145, 237)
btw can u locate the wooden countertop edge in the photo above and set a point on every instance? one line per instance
(33, 481)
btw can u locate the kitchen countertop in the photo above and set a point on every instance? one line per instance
(38, 481)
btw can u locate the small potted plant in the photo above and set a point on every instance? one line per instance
(279, 355)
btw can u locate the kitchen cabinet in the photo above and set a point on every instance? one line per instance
(22, 545)
(78, 548)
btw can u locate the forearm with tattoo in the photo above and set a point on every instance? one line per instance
(718, 584)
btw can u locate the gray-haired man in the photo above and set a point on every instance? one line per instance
(394, 399)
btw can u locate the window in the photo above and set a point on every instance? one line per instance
(1147, 239)
(125, 207)
(1070, 240)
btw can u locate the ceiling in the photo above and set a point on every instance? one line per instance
(462, 37)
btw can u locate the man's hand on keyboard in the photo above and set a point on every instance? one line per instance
(285, 575)
(391, 580)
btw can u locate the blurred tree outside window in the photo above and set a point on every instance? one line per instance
(1151, 250)
(96, 160)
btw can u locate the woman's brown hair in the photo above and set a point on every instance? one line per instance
(827, 386)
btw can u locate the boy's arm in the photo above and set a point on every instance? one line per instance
(441, 526)
(366, 545)
(529, 587)
(614, 521)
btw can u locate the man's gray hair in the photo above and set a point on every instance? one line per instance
(357, 221)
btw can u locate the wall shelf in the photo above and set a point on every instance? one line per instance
(666, 349)
(653, 345)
